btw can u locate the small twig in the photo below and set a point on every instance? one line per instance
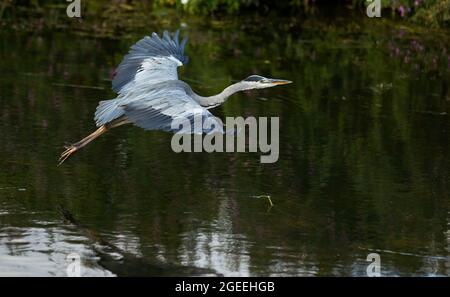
(78, 86)
(268, 198)
(442, 113)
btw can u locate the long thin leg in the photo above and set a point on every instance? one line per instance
(71, 149)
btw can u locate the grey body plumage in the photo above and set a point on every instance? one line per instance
(151, 96)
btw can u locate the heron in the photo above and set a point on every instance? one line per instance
(151, 96)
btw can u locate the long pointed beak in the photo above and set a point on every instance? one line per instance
(279, 82)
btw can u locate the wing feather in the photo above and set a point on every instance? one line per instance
(171, 110)
(150, 60)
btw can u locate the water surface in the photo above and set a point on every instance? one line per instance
(363, 166)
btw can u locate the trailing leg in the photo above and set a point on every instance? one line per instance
(71, 149)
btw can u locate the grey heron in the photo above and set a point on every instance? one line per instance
(150, 95)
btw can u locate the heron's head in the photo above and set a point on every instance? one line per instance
(261, 82)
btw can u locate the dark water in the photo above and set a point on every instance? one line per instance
(363, 167)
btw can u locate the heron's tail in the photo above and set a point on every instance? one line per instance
(107, 111)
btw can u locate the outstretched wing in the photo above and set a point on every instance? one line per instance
(150, 60)
(169, 108)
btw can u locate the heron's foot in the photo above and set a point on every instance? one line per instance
(70, 150)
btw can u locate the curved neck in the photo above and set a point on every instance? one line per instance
(218, 99)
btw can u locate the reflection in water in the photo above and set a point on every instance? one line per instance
(363, 161)
(447, 263)
(217, 247)
(42, 251)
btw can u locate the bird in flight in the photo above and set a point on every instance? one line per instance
(150, 95)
